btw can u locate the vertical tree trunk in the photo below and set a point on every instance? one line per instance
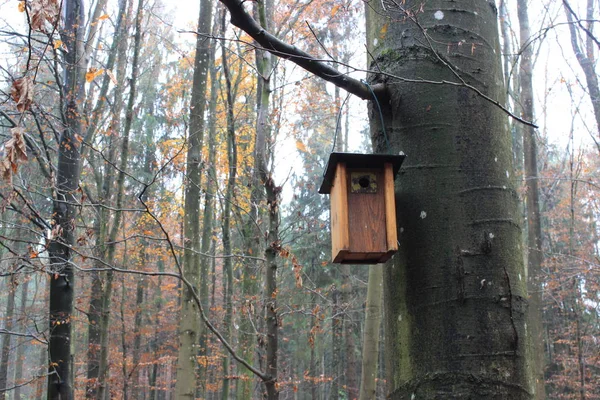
(229, 197)
(22, 326)
(60, 384)
(7, 337)
(532, 201)
(350, 372)
(119, 46)
(370, 350)
(586, 58)
(455, 292)
(103, 368)
(191, 329)
(336, 343)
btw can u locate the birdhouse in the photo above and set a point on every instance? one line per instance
(363, 210)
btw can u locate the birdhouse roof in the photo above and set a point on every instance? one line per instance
(355, 160)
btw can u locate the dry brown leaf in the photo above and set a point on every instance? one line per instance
(22, 93)
(43, 11)
(14, 151)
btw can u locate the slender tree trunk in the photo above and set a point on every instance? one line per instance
(137, 330)
(103, 369)
(336, 344)
(229, 197)
(22, 326)
(262, 154)
(191, 330)
(455, 293)
(370, 350)
(535, 256)
(60, 384)
(350, 372)
(119, 46)
(7, 337)
(586, 58)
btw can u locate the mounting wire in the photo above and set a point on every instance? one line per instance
(337, 123)
(387, 142)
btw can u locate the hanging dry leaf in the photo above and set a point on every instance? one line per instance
(5, 170)
(92, 74)
(22, 93)
(103, 17)
(21, 6)
(14, 151)
(43, 11)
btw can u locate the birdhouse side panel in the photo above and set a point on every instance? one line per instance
(366, 215)
(390, 209)
(338, 197)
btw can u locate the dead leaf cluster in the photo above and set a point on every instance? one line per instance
(14, 151)
(22, 93)
(42, 12)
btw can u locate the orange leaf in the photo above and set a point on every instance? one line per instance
(92, 74)
(300, 146)
(103, 17)
(383, 30)
(21, 6)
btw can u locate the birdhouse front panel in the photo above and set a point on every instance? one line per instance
(366, 216)
(363, 212)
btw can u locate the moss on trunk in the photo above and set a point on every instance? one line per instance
(455, 293)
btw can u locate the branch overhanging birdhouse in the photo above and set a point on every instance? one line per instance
(363, 209)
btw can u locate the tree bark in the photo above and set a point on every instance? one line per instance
(370, 348)
(535, 256)
(455, 292)
(60, 383)
(586, 59)
(6, 338)
(119, 46)
(22, 326)
(229, 198)
(103, 369)
(191, 330)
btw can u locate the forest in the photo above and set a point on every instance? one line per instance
(162, 235)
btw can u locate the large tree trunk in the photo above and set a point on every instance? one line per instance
(455, 292)
(191, 329)
(535, 256)
(60, 382)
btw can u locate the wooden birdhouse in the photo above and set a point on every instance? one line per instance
(363, 210)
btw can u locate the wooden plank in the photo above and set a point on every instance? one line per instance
(340, 242)
(390, 209)
(367, 218)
